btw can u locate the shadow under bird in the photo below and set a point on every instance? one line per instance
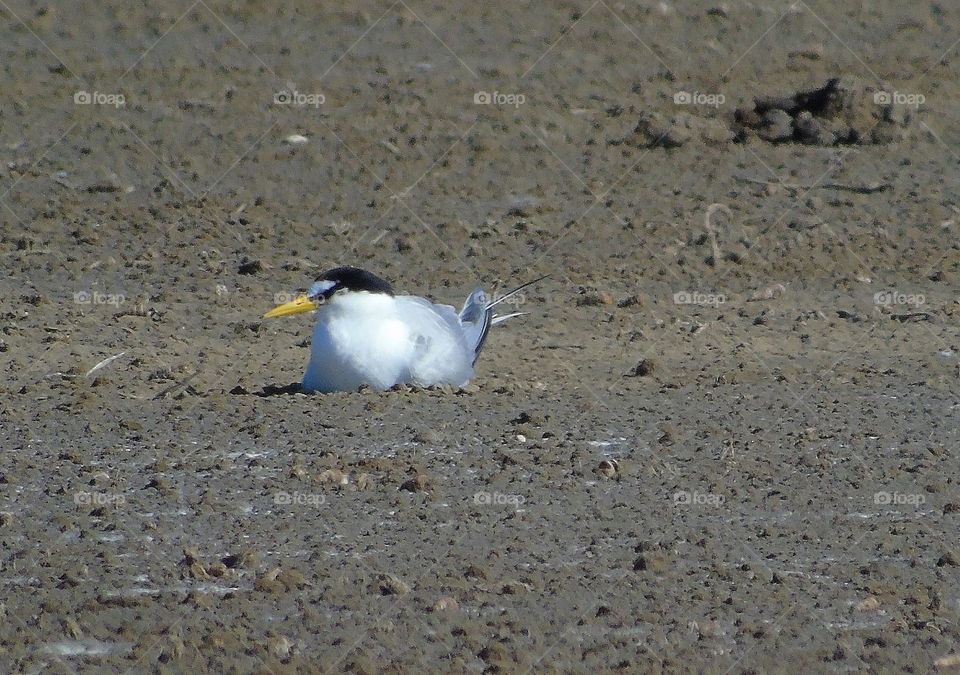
(368, 335)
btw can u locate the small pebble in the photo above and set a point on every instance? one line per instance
(642, 369)
(420, 483)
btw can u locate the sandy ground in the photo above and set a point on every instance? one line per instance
(713, 445)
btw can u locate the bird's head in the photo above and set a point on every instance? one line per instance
(330, 284)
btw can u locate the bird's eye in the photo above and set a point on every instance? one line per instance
(321, 290)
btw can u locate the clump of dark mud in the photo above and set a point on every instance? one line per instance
(845, 111)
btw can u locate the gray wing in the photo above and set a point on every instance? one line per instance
(476, 318)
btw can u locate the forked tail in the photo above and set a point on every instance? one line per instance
(476, 317)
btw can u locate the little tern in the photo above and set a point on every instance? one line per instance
(367, 335)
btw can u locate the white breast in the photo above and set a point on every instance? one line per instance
(378, 340)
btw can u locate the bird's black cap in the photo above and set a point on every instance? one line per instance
(355, 279)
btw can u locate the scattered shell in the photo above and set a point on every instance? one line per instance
(72, 628)
(813, 52)
(475, 572)
(334, 477)
(427, 436)
(445, 604)
(198, 571)
(592, 299)
(768, 293)
(216, 570)
(608, 468)
(514, 587)
(268, 582)
(190, 555)
(419, 483)
(392, 585)
(292, 578)
(279, 646)
(948, 661)
(298, 470)
(248, 559)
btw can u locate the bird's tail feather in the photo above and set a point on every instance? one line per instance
(500, 318)
(476, 317)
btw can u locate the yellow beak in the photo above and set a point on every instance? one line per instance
(301, 304)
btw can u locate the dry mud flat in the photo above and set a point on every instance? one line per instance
(723, 444)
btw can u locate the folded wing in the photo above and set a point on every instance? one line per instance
(476, 317)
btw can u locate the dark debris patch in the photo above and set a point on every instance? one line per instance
(271, 390)
(844, 111)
